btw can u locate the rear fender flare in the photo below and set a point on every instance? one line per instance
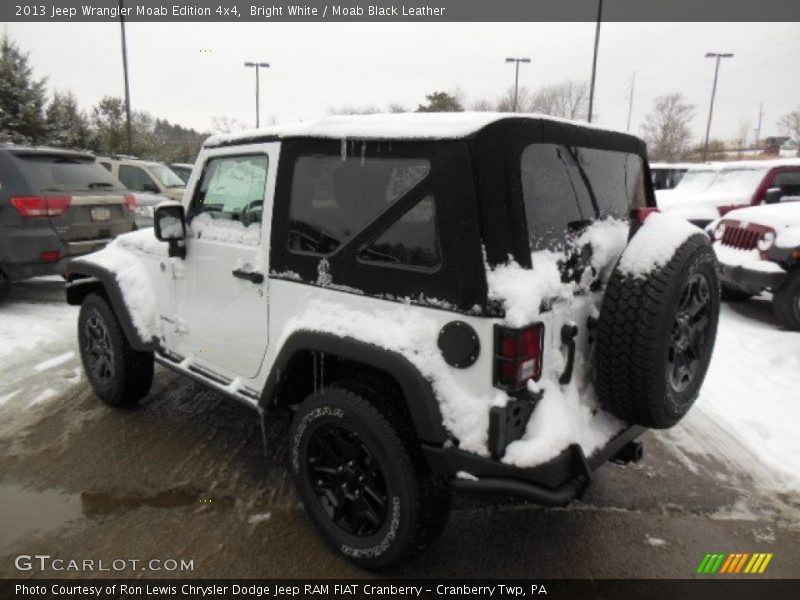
(417, 390)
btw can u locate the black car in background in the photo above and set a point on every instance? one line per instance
(55, 205)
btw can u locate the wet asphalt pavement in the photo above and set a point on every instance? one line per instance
(185, 477)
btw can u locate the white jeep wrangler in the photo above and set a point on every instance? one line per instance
(476, 302)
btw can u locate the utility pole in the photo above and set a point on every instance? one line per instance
(257, 65)
(758, 127)
(127, 85)
(717, 56)
(516, 76)
(594, 58)
(630, 100)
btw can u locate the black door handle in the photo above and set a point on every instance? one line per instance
(253, 276)
(568, 333)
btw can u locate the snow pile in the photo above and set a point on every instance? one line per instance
(655, 243)
(522, 291)
(137, 291)
(171, 227)
(749, 259)
(409, 332)
(225, 230)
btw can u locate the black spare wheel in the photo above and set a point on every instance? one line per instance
(5, 286)
(361, 478)
(655, 335)
(786, 302)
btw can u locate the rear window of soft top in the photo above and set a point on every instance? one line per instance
(64, 173)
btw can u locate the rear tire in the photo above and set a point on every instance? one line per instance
(120, 375)
(786, 302)
(655, 335)
(5, 286)
(361, 482)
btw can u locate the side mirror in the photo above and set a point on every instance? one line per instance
(773, 195)
(169, 225)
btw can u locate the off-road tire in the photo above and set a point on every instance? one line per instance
(124, 375)
(5, 286)
(730, 294)
(639, 328)
(417, 504)
(786, 302)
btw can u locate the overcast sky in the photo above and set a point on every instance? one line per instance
(189, 73)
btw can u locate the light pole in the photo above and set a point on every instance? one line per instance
(594, 58)
(127, 86)
(257, 65)
(516, 76)
(717, 56)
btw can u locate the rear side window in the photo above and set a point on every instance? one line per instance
(54, 173)
(789, 182)
(137, 179)
(332, 199)
(565, 187)
(411, 241)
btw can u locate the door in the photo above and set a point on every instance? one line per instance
(222, 299)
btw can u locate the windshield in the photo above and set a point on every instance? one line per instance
(166, 176)
(739, 181)
(565, 187)
(62, 173)
(697, 180)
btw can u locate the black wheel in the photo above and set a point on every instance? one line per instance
(655, 335)
(786, 302)
(731, 294)
(360, 481)
(5, 286)
(120, 375)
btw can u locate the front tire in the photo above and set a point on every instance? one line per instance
(362, 485)
(731, 294)
(120, 375)
(786, 302)
(5, 286)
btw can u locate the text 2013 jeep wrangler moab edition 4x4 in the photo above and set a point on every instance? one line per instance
(474, 302)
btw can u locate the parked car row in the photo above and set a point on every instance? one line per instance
(58, 204)
(751, 209)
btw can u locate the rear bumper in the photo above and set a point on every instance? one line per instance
(21, 250)
(751, 280)
(553, 483)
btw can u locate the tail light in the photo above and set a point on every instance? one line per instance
(640, 214)
(517, 356)
(130, 202)
(41, 206)
(50, 255)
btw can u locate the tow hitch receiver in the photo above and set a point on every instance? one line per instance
(630, 452)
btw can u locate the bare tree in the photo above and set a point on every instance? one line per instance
(225, 124)
(354, 110)
(666, 128)
(506, 102)
(396, 107)
(483, 106)
(790, 123)
(568, 100)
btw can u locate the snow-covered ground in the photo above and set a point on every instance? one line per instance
(747, 414)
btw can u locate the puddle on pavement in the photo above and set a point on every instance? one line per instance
(28, 512)
(104, 503)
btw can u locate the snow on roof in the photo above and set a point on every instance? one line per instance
(398, 126)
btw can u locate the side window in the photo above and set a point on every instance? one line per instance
(106, 166)
(136, 179)
(411, 241)
(229, 202)
(333, 199)
(789, 182)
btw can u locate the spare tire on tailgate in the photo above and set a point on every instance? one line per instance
(657, 326)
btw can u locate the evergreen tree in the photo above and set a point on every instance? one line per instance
(67, 125)
(22, 98)
(440, 102)
(108, 120)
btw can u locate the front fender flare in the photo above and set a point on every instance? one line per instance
(84, 276)
(417, 390)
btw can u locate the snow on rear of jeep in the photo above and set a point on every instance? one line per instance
(481, 294)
